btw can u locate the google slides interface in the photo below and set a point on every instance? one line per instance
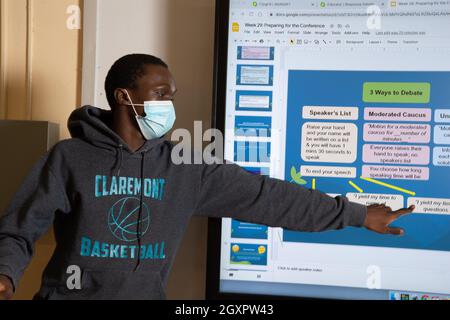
(350, 98)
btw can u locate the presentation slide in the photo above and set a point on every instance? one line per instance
(254, 75)
(254, 101)
(248, 230)
(393, 160)
(351, 99)
(248, 254)
(253, 126)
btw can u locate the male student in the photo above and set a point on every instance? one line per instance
(120, 207)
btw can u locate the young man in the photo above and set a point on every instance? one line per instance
(120, 207)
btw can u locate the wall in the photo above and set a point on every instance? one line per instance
(41, 61)
(181, 33)
(40, 79)
(190, 49)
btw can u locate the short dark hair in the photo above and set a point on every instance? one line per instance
(125, 71)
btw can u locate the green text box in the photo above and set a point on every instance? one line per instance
(397, 92)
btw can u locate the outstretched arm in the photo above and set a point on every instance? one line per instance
(230, 191)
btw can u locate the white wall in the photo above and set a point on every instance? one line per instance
(181, 32)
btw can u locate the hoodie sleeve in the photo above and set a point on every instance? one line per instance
(29, 215)
(230, 191)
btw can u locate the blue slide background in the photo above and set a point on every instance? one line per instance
(245, 230)
(320, 88)
(264, 171)
(251, 126)
(252, 151)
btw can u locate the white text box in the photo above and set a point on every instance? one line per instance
(329, 142)
(394, 201)
(330, 113)
(430, 205)
(328, 172)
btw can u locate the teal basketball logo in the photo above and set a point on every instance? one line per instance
(123, 219)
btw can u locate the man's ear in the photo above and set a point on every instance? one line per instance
(121, 97)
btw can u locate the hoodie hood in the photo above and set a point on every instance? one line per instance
(93, 125)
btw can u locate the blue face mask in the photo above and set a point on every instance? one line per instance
(159, 118)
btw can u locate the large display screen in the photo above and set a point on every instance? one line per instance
(350, 98)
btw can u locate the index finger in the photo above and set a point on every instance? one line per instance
(403, 212)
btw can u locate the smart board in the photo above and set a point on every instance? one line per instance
(352, 99)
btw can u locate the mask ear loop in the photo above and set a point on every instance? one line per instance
(132, 104)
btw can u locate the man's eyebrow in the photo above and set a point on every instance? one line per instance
(160, 86)
(165, 86)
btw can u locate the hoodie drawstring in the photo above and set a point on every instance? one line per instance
(119, 160)
(141, 200)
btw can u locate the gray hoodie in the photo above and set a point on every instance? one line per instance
(119, 216)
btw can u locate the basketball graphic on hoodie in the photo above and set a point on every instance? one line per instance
(126, 221)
